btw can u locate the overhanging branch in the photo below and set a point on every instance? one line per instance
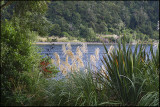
(6, 4)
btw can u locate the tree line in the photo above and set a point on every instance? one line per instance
(85, 19)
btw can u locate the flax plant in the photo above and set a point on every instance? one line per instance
(151, 92)
(127, 72)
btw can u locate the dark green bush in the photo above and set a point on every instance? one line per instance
(18, 56)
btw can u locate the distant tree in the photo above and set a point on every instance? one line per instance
(31, 14)
(76, 19)
(56, 30)
(90, 34)
(83, 31)
(101, 28)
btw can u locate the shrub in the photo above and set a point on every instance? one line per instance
(18, 56)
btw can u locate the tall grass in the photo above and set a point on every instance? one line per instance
(77, 62)
(130, 75)
(80, 89)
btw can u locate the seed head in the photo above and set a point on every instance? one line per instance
(85, 70)
(84, 48)
(93, 59)
(57, 58)
(70, 54)
(64, 49)
(78, 52)
(111, 49)
(73, 67)
(52, 61)
(97, 53)
(80, 62)
(69, 46)
(93, 62)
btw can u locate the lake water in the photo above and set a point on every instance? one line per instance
(49, 50)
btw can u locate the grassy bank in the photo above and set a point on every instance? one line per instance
(93, 43)
(59, 39)
(109, 39)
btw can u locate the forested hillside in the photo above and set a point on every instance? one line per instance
(137, 20)
(85, 18)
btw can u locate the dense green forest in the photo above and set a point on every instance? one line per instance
(87, 18)
(84, 19)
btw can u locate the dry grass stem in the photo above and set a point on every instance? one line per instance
(77, 62)
(78, 52)
(103, 70)
(93, 62)
(63, 69)
(52, 61)
(80, 62)
(70, 54)
(93, 59)
(69, 46)
(84, 48)
(64, 72)
(57, 59)
(111, 48)
(97, 53)
(155, 45)
(64, 49)
(85, 70)
(66, 58)
(73, 67)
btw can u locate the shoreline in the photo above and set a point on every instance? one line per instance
(73, 43)
(77, 43)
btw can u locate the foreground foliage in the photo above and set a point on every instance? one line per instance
(17, 57)
(79, 89)
(20, 73)
(132, 76)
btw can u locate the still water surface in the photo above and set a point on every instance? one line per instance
(48, 50)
